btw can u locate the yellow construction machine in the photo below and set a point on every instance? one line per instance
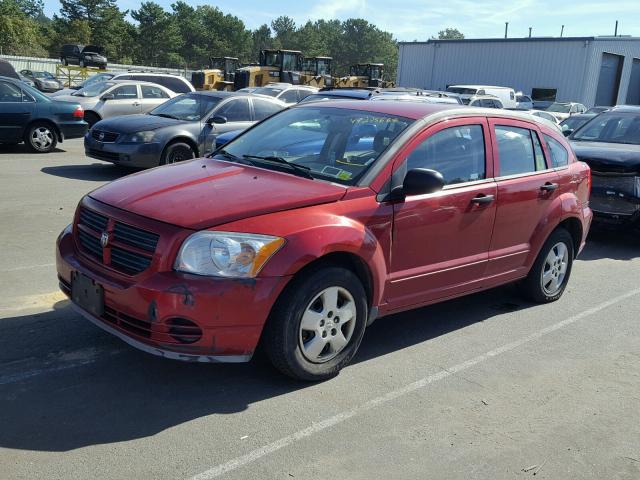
(219, 76)
(364, 75)
(274, 66)
(316, 72)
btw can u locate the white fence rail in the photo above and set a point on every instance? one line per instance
(49, 65)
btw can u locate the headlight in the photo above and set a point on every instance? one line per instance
(139, 137)
(225, 254)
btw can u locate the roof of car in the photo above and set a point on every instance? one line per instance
(347, 92)
(626, 108)
(417, 110)
(220, 93)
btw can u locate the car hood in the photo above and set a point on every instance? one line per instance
(92, 49)
(137, 123)
(609, 157)
(205, 192)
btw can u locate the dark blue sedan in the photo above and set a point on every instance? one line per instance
(28, 116)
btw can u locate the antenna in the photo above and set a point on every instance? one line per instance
(561, 31)
(530, 28)
(615, 33)
(506, 29)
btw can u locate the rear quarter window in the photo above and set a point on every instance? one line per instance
(559, 154)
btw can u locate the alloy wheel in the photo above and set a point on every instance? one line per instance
(41, 138)
(327, 324)
(554, 269)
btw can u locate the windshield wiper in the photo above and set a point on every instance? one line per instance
(165, 115)
(301, 170)
(230, 157)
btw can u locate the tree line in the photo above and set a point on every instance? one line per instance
(184, 36)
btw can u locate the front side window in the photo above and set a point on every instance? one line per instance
(94, 89)
(125, 92)
(519, 150)
(559, 154)
(290, 96)
(236, 110)
(190, 108)
(332, 144)
(458, 153)
(611, 128)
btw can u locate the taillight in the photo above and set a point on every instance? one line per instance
(589, 181)
(78, 112)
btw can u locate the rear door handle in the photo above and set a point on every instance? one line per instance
(548, 187)
(482, 199)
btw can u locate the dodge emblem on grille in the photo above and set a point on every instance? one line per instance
(101, 136)
(104, 239)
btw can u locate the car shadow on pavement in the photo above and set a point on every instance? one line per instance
(21, 149)
(65, 384)
(97, 172)
(616, 244)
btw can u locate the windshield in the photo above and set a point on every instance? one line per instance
(462, 91)
(611, 128)
(189, 107)
(46, 75)
(271, 91)
(94, 90)
(334, 144)
(559, 107)
(575, 122)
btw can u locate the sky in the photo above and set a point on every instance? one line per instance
(410, 20)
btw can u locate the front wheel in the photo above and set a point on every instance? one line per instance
(41, 138)
(81, 63)
(177, 152)
(550, 273)
(317, 324)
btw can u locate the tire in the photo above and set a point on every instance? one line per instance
(320, 351)
(81, 63)
(550, 273)
(91, 118)
(176, 152)
(41, 137)
(65, 62)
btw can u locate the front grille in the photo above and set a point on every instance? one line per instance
(102, 155)
(128, 250)
(107, 137)
(626, 184)
(241, 79)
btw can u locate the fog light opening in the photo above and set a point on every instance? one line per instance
(183, 330)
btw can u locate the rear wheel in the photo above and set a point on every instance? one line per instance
(65, 62)
(317, 324)
(177, 152)
(91, 118)
(550, 273)
(41, 138)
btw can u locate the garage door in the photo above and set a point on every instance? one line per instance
(633, 93)
(609, 81)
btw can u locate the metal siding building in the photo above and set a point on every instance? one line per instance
(574, 67)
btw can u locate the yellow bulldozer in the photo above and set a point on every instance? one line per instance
(219, 76)
(316, 72)
(363, 75)
(274, 66)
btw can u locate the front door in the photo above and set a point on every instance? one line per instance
(126, 101)
(441, 240)
(16, 111)
(526, 188)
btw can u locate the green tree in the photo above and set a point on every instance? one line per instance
(158, 37)
(285, 32)
(260, 39)
(19, 31)
(450, 34)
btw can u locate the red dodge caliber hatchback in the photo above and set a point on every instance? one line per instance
(311, 224)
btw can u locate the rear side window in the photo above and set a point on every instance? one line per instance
(519, 150)
(9, 93)
(290, 96)
(149, 91)
(262, 108)
(456, 152)
(172, 83)
(559, 154)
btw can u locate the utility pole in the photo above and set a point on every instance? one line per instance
(615, 33)
(506, 29)
(561, 31)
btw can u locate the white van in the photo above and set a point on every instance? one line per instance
(506, 95)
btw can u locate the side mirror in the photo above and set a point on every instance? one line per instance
(567, 132)
(420, 181)
(219, 119)
(107, 96)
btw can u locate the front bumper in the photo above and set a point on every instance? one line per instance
(230, 313)
(614, 207)
(141, 155)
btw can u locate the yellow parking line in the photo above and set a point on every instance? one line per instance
(42, 301)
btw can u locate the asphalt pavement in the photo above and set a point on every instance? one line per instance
(485, 387)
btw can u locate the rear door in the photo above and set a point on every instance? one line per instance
(126, 101)
(526, 188)
(441, 240)
(152, 96)
(16, 111)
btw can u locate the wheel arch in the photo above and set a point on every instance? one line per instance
(182, 139)
(574, 226)
(49, 122)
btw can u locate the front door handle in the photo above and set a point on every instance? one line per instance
(482, 199)
(136, 104)
(548, 187)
